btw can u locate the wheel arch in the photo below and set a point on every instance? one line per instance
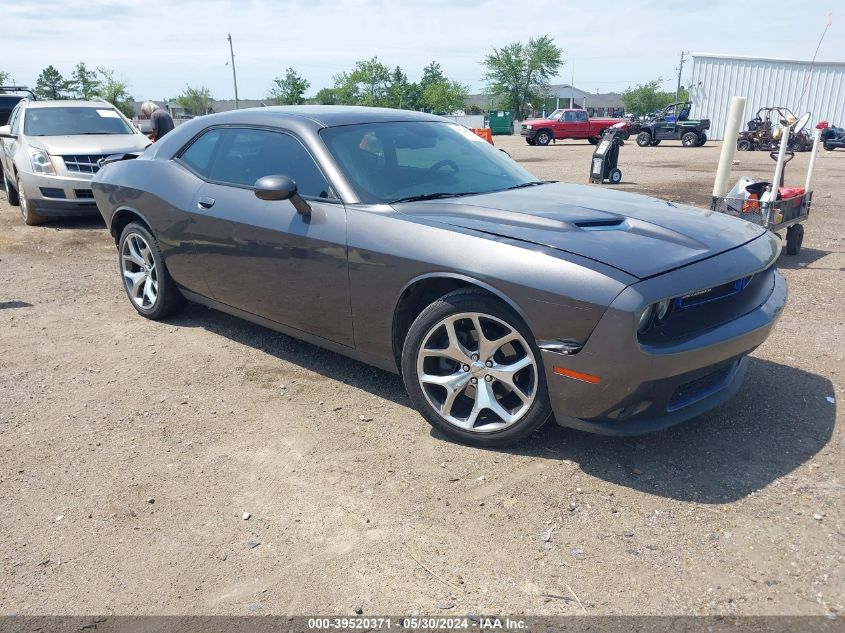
(122, 217)
(423, 290)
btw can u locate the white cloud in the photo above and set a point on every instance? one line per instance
(160, 46)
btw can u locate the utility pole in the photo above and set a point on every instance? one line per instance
(680, 70)
(234, 74)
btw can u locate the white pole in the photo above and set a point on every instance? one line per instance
(723, 172)
(784, 143)
(817, 139)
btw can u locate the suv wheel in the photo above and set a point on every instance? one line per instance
(744, 145)
(472, 369)
(147, 282)
(11, 192)
(643, 139)
(543, 137)
(689, 139)
(30, 216)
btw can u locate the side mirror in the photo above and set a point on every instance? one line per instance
(6, 132)
(275, 188)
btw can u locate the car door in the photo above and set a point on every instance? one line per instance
(264, 257)
(581, 129)
(567, 125)
(8, 146)
(666, 127)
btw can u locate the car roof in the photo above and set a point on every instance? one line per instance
(324, 115)
(68, 103)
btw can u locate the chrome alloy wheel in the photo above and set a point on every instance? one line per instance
(477, 372)
(139, 271)
(22, 201)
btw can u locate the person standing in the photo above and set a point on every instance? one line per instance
(161, 121)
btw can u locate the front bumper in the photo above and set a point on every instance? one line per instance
(646, 389)
(59, 195)
(529, 134)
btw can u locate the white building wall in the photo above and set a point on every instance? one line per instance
(819, 89)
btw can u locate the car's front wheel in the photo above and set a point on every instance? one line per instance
(472, 369)
(147, 282)
(543, 138)
(643, 139)
(30, 216)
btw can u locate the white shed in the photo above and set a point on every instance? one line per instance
(798, 85)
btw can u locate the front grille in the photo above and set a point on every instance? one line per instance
(701, 387)
(52, 192)
(84, 194)
(83, 163)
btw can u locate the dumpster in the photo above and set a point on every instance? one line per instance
(501, 121)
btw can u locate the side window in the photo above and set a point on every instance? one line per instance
(198, 154)
(581, 116)
(13, 120)
(570, 117)
(245, 155)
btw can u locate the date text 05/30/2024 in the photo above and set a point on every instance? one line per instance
(415, 623)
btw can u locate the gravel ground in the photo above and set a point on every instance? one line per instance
(131, 451)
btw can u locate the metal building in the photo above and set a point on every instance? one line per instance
(798, 85)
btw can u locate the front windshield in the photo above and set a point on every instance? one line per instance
(386, 162)
(554, 116)
(69, 121)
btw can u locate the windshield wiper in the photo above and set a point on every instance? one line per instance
(435, 196)
(529, 184)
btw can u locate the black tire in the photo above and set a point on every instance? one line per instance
(11, 192)
(476, 301)
(656, 143)
(530, 141)
(702, 139)
(643, 139)
(744, 145)
(543, 137)
(168, 299)
(615, 176)
(593, 140)
(796, 146)
(690, 139)
(828, 147)
(794, 239)
(30, 216)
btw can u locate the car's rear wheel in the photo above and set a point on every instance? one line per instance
(30, 216)
(11, 192)
(530, 141)
(690, 139)
(472, 369)
(643, 139)
(744, 145)
(828, 147)
(702, 139)
(593, 140)
(794, 239)
(147, 282)
(543, 137)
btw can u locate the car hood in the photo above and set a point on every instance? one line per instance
(89, 144)
(639, 235)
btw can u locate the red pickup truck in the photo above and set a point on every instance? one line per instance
(565, 123)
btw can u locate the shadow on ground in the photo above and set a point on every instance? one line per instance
(777, 422)
(804, 258)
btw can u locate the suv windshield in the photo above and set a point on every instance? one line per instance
(69, 121)
(387, 162)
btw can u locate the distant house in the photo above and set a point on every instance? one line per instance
(560, 96)
(217, 105)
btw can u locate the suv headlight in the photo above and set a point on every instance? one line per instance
(41, 162)
(528, 127)
(645, 318)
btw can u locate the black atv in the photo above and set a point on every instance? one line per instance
(833, 138)
(672, 123)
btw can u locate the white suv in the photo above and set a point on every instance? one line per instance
(51, 149)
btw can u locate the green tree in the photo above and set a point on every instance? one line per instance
(369, 82)
(397, 91)
(432, 74)
(51, 84)
(196, 101)
(115, 91)
(445, 96)
(290, 89)
(4, 79)
(519, 73)
(326, 96)
(83, 83)
(648, 97)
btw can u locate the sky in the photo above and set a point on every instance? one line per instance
(160, 47)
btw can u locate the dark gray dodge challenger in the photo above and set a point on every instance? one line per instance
(407, 242)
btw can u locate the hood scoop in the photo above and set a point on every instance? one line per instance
(619, 224)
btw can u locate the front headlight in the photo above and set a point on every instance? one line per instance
(41, 162)
(645, 318)
(528, 127)
(662, 309)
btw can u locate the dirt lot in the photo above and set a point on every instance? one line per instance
(129, 451)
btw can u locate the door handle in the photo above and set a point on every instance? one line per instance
(205, 202)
